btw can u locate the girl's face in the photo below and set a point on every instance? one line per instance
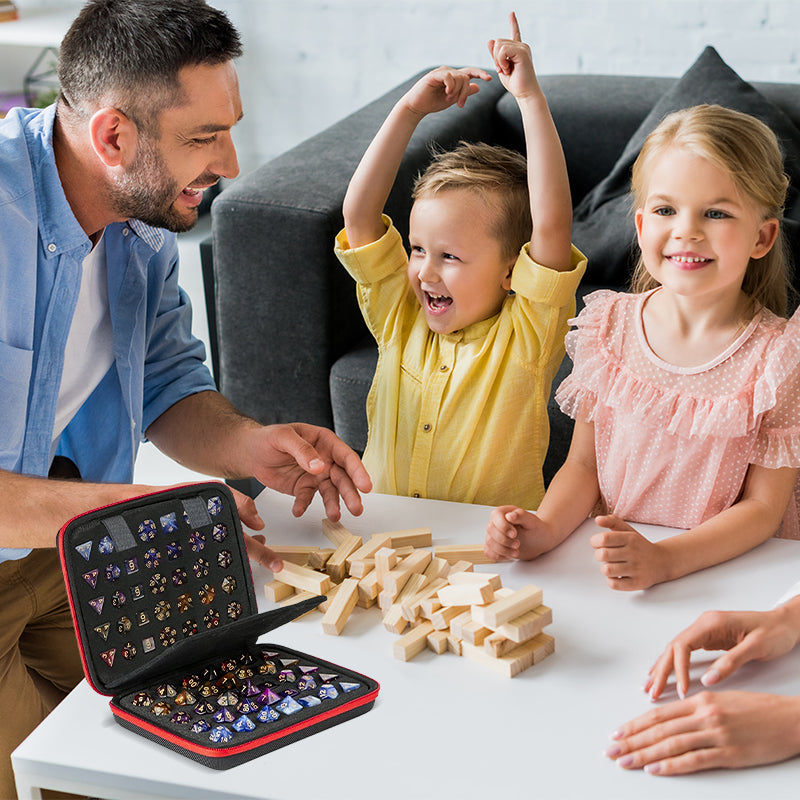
(696, 230)
(456, 266)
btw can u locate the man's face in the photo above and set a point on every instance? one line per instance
(163, 186)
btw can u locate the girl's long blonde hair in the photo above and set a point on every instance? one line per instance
(748, 151)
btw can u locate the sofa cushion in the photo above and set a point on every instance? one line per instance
(603, 222)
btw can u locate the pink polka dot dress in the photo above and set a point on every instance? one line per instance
(674, 443)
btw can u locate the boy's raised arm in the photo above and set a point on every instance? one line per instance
(373, 179)
(548, 183)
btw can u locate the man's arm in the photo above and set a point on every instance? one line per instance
(373, 179)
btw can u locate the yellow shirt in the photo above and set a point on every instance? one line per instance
(460, 416)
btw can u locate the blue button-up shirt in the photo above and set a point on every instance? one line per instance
(156, 359)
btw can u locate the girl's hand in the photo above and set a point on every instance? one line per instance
(629, 561)
(514, 63)
(708, 731)
(515, 533)
(442, 88)
(746, 635)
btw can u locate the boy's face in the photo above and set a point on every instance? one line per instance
(456, 266)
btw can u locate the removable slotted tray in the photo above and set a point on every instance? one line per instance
(162, 599)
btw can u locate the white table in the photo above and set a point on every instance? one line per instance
(444, 726)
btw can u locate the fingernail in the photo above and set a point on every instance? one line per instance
(316, 463)
(653, 769)
(625, 761)
(617, 734)
(681, 692)
(710, 678)
(613, 751)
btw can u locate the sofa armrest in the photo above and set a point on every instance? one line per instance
(285, 308)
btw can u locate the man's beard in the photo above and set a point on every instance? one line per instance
(147, 192)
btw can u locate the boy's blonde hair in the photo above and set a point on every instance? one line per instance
(497, 174)
(748, 150)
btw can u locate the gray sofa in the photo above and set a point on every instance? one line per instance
(288, 339)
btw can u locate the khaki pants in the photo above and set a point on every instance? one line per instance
(39, 660)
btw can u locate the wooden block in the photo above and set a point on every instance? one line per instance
(275, 591)
(415, 537)
(526, 625)
(319, 558)
(466, 594)
(429, 606)
(474, 633)
(497, 645)
(413, 564)
(515, 661)
(342, 606)
(468, 578)
(454, 644)
(413, 642)
(442, 618)
(335, 531)
(332, 592)
(505, 609)
(411, 606)
(304, 578)
(368, 549)
(438, 568)
(460, 566)
(296, 598)
(365, 602)
(358, 569)
(394, 621)
(386, 559)
(297, 554)
(336, 565)
(437, 641)
(466, 552)
(458, 622)
(368, 586)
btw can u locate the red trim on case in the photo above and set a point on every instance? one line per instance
(242, 748)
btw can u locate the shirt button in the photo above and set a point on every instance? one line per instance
(51, 247)
(426, 427)
(416, 494)
(125, 231)
(444, 368)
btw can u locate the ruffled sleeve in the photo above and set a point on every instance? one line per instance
(578, 392)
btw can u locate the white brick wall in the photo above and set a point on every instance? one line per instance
(310, 62)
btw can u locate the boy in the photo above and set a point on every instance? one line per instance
(458, 406)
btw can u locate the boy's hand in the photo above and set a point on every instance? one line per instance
(442, 88)
(514, 64)
(629, 561)
(515, 533)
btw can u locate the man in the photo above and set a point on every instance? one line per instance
(95, 343)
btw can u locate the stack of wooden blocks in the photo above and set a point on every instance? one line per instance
(429, 598)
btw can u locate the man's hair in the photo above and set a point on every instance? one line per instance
(128, 53)
(499, 176)
(748, 151)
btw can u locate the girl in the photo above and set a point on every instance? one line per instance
(685, 393)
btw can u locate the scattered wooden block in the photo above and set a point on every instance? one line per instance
(297, 554)
(413, 537)
(275, 591)
(442, 618)
(505, 609)
(526, 625)
(342, 606)
(368, 549)
(515, 661)
(386, 559)
(470, 578)
(336, 565)
(360, 568)
(437, 641)
(466, 552)
(454, 644)
(368, 586)
(393, 620)
(474, 633)
(429, 606)
(466, 594)
(457, 623)
(412, 643)
(335, 531)
(319, 558)
(413, 564)
(326, 603)
(411, 606)
(304, 578)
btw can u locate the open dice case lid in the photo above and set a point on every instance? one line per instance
(162, 598)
